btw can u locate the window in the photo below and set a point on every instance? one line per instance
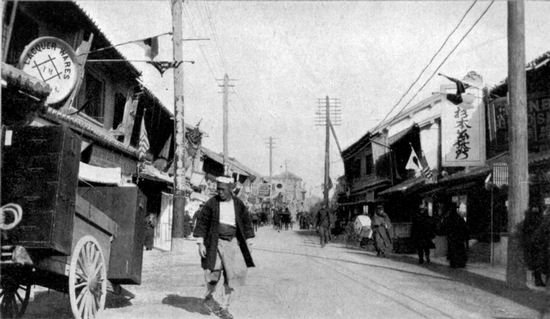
(118, 116)
(369, 165)
(91, 93)
(24, 31)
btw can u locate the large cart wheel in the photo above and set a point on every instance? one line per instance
(87, 279)
(14, 297)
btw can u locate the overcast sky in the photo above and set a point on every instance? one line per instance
(286, 55)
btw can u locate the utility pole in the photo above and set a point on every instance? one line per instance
(178, 207)
(518, 192)
(330, 109)
(225, 92)
(271, 145)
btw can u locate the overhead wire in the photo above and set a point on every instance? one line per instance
(431, 59)
(448, 55)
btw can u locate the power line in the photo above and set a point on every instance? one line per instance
(214, 34)
(431, 60)
(448, 55)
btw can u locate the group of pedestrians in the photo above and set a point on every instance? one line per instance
(451, 224)
(423, 232)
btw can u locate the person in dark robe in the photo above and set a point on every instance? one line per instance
(381, 225)
(223, 233)
(323, 222)
(531, 254)
(149, 236)
(457, 233)
(422, 234)
(255, 220)
(541, 243)
(186, 224)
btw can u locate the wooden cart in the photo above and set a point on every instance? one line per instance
(64, 240)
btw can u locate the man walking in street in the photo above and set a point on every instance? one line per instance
(323, 222)
(223, 231)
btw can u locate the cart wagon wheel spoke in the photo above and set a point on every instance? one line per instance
(19, 297)
(87, 279)
(81, 295)
(80, 284)
(14, 298)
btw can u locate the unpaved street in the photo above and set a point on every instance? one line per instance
(295, 278)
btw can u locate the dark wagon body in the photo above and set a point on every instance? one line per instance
(72, 238)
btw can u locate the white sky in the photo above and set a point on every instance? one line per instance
(286, 55)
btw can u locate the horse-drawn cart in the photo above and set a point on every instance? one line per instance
(58, 234)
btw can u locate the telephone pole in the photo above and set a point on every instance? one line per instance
(271, 144)
(518, 192)
(325, 111)
(225, 92)
(179, 131)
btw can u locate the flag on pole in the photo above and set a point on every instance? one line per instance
(461, 87)
(461, 98)
(426, 170)
(419, 165)
(413, 163)
(151, 47)
(143, 139)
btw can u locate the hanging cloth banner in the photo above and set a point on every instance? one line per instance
(462, 125)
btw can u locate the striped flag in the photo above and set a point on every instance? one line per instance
(426, 170)
(420, 165)
(143, 139)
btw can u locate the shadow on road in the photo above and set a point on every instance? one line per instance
(538, 300)
(189, 304)
(117, 301)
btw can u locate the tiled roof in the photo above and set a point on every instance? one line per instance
(96, 133)
(406, 186)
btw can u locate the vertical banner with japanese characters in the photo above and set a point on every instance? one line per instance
(462, 129)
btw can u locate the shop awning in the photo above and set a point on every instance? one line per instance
(467, 174)
(377, 183)
(405, 187)
(102, 175)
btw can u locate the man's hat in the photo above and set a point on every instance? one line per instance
(224, 179)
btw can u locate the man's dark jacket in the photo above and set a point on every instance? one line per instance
(207, 228)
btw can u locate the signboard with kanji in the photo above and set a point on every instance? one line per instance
(463, 126)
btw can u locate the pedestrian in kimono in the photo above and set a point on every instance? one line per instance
(381, 225)
(422, 234)
(187, 229)
(456, 230)
(223, 232)
(531, 254)
(150, 224)
(541, 241)
(323, 222)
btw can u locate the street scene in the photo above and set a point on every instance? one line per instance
(275, 159)
(295, 278)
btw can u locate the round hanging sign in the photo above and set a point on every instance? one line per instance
(53, 61)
